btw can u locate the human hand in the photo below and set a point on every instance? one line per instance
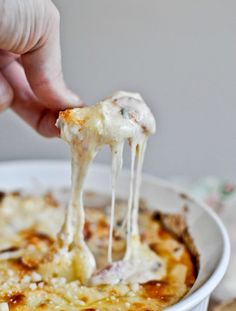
(31, 80)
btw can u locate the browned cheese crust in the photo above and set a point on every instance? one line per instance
(28, 240)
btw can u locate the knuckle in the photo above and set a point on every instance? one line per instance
(55, 14)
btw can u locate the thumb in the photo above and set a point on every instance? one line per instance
(43, 68)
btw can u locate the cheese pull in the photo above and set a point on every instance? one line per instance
(112, 121)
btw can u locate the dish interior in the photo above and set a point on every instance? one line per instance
(206, 229)
(32, 278)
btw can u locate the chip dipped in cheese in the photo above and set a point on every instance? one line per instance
(112, 121)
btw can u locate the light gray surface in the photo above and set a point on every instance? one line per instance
(181, 55)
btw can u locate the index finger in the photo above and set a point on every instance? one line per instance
(43, 66)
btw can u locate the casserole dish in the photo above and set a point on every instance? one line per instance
(206, 229)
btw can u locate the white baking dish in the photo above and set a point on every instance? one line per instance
(205, 227)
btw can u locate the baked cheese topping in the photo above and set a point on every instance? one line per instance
(116, 119)
(30, 279)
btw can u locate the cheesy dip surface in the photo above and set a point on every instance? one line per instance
(29, 243)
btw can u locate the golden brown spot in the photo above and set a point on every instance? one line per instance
(81, 122)
(157, 290)
(137, 305)
(50, 200)
(66, 115)
(84, 299)
(102, 227)
(30, 263)
(116, 236)
(42, 305)
(35, 238)
(102, 223)
(31, 260)
(189, 243)
(159, 249)
(191, 271)
(145, 129)
(22, 267)
(164, 234)
(15, 193)
(156, 216)
(14, 299)
(175, 223)
(2, 195)
(87, 231)
(143, 236)
(10, 249)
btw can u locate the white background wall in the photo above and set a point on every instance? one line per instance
(181, 55)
